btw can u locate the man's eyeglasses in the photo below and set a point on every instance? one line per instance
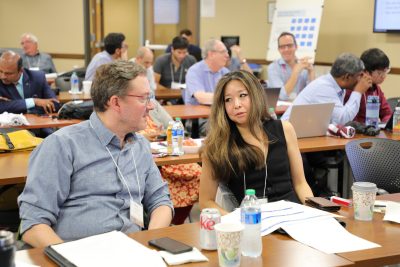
(224, 51)
(382, 72)
(288, 46)
(144, 99)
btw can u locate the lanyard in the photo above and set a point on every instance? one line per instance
(265, 180)
(29, 62)
(172, 72)
(121, 176)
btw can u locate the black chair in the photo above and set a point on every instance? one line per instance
(393, 102)
(376, 160)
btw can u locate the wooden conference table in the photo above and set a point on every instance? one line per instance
(14, 166)
(281, 250)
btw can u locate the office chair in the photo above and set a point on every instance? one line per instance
(393, 102)
(376, 160)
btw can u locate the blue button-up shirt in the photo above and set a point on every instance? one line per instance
(200, 78)
(73, 184)
(326, 90)
(279, 73)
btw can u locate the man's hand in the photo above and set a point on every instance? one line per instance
(303, 63)
(4, 98)
(364, 83)
(47, 104)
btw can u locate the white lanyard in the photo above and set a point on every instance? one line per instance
(121, 176)
(265, 180)
(180, 74)
(29, 63)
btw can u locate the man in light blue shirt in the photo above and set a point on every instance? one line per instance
(289, 73)
(97, 176)
(203, 76)
(115, 48)
(347, 73)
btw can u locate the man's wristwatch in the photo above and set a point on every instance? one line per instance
(243, 61)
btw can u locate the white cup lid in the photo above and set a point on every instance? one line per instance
(364, 186)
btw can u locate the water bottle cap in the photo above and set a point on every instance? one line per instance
(177, 119)
(250, 192)
(271, 109)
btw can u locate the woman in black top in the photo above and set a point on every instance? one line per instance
(245, 148)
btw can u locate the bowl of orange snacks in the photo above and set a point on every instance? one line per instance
(191, 146)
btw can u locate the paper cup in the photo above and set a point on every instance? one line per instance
(229, 236)
(86, 87)
(364, 194)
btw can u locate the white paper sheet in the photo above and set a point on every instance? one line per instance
(23, 264)
(310, 226)
(327, 235)
(392, 212)
(109, 249)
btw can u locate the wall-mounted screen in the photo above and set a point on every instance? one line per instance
(387, 16)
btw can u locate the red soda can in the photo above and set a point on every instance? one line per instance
(208, 238)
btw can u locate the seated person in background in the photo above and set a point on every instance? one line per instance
(23, 90)
(145, 57)
(377, 65)
(289, 72)
(32, 58)
(245, 148)
(170, 69)
(347, 72)
(115, 48)
(203, 76)
(193, 50)
(236, 60)
(104, 170)
(183, 179)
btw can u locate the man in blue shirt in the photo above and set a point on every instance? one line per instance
(347, 72)
(289, 73)
(99, 175)
(203, 76)
(115, 48)
(23, 90)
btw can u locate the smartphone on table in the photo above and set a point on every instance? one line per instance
(170, 245)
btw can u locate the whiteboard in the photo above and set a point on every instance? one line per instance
(300, 17)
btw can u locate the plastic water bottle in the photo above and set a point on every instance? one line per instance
(74, 83)
(272, 113)
(178, 134)
(396, 121)
(250, 212)
(372, 111)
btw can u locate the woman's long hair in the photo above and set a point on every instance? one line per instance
(224, 146)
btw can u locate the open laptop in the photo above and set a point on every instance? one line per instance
(311, 119)
(272, 95)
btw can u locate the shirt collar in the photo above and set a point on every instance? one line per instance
(338, 90)
(20, 80)
(105, 136)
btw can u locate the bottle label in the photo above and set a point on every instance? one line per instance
(251, 217)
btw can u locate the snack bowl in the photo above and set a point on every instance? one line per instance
(191, 146)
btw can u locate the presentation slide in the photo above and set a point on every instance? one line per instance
(387, 15)
(303, 19)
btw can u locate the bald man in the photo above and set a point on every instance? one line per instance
(33, 59)
(23, 90)
(145, 57)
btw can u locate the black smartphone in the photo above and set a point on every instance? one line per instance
(170, 245)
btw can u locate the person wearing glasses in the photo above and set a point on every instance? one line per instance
(99, 175)
(203, 76)
(377, 65)
(115, 48)
(289, 73)
(347, 72)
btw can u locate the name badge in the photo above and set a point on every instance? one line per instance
(34, 68)
(136, 213)
(175, 85)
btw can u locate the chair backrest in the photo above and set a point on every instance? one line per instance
(376, 160)
(393, 101)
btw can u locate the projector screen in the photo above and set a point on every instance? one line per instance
(387, 16)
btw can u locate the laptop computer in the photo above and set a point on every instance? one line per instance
(272, 95)
(311, 119)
